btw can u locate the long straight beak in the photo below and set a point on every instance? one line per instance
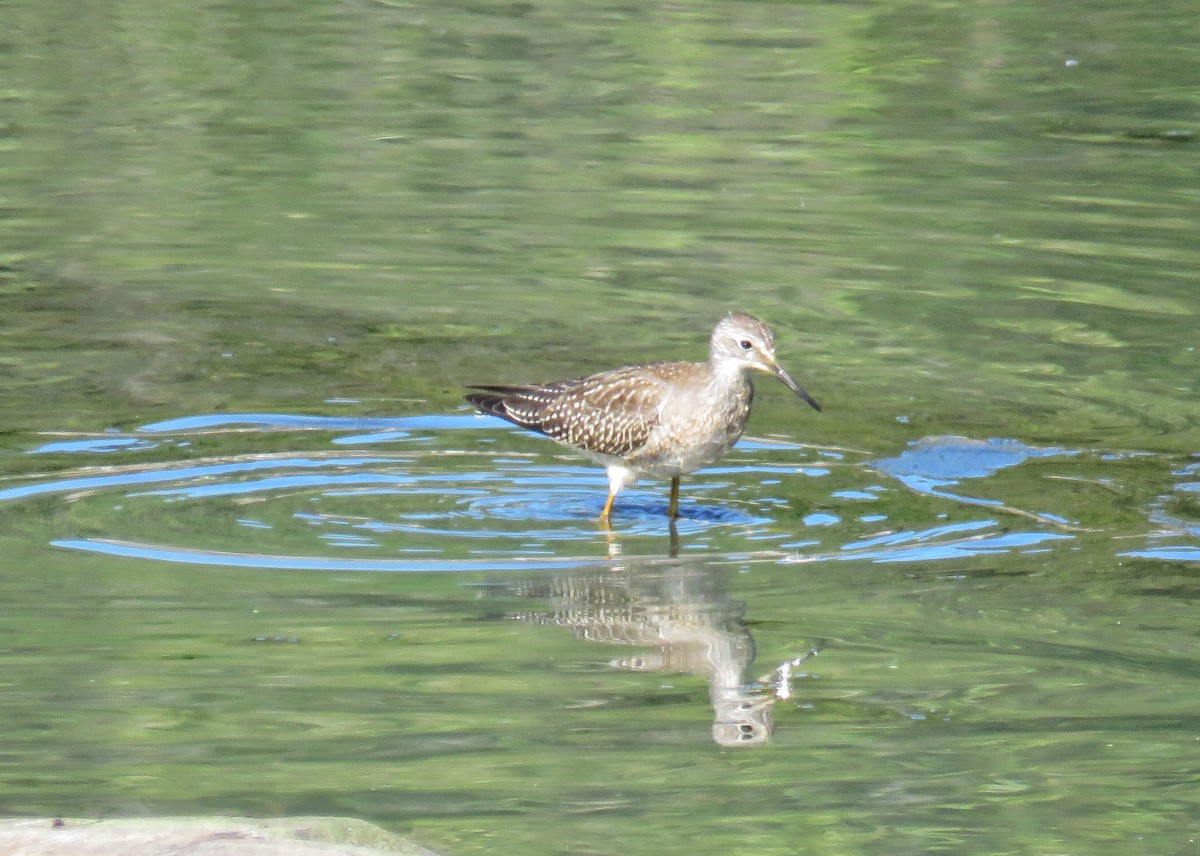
(778, 371)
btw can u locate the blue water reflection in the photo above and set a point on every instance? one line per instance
(170, 473)
(300, 421)
(446, 496)
(933, 464)
(917, 551)
(158, 553)
(1170, 513)
(96, 445)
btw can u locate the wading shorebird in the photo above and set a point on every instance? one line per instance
(661, 419)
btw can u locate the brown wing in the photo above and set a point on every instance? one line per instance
(611, 413)
(518, 404)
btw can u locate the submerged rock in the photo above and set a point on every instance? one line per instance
(202, 836)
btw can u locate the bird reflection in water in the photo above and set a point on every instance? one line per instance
(686, 623)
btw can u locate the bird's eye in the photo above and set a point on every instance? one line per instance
(746, 344)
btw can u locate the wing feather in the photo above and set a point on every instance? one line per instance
(610, 413)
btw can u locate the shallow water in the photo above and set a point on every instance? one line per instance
(464, 636)
(259, 558)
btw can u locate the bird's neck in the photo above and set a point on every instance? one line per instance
(726, 374)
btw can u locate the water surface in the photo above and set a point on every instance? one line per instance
(259, 558)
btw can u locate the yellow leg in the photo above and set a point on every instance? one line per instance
(673, 504)
(612, 494)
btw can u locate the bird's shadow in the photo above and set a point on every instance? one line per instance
(649, 519)
(657, 513)
(708, 514)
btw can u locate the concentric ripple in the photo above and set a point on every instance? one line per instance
(465, 493)
(407, 494)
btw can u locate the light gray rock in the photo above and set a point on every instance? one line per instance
(202, 836)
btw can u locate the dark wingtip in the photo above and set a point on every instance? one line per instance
(486, 402)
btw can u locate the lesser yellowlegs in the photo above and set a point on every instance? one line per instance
(660, 420)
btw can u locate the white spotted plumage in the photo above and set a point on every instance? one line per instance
(660, 419)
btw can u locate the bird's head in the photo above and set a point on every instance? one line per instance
(749, 343)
